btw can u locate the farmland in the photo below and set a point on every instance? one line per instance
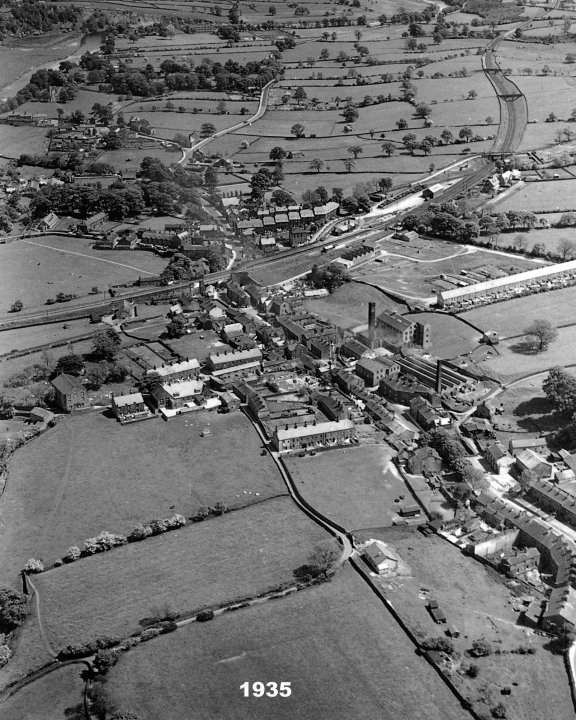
(335, 643)
(477, 602)
(353, 487)
(37, 273)
(122, 475)
(55, 696)
(233, 556)
(540, 196)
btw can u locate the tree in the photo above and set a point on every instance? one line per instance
(401, 124)
(388, 148)
(422, 110)
(329, 277)
(350, 114)
(385, 184)
(543, 333)
(16, 306)
(300, 94)
(317, 164)
(355, 150)
(481, 648)
(281, 197)
(472, 95)
(410, 142)
(70, 364)
(277, 153)
(566, 248)
(13, 609)
(349, 164)
(560, 388)
(426, 146)
(96, 377)
(323, 559)
(324, 54)
(447, 137)
(106, 343)
(207, 129)
(125, 715)
(466, 134)
(297, 130)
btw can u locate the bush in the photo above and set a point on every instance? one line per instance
(130, 643)
(168, 626)
(441, 644)
(78, 650)
(105, 659)
(102, 542)
(499, 712)
(472, 670)
(158, 526)
(149, 634)
(139, 533)
(5, 655)
(481, 648)
(205, 615)
(34, 566)
(73, 553)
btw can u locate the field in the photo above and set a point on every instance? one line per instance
(229, 557)
(354, 487)
(336, 644)
(504, 317)
(540, 196)
(98, 475)
(17, 140)
(478, 603)
(415, 278)
(41, 268)
(54, 697)
(348, 305)
(450, 336)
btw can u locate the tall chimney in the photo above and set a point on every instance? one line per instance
(439, 376)
(371, 322)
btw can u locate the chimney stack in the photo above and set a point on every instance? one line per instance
(439, 376)
(371, 322)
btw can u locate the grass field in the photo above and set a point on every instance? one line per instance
(504, 317)
(17, 140)
(540, 196)
(348, 305)
(478, 603)
(98, 475)
(450, 336)
(230, 557)
(336, 643)
(354, 487)
(54, 697)
(40, 268)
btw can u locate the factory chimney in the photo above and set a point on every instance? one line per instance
(371, 322)
(439, 376)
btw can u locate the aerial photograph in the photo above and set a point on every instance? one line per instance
(286, 430)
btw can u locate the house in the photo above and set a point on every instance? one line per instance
(93, 223)
(69, 393)
(498, 458)
(234, 364)
(560, 613)
(187, 369)
(426, 415)
(538, 444)
(180, 395)
(317, 434)
(130, 408)
(374, 371)
(332, 408)
(376, 559)
(355, 350)
(520, 562)
(553, 499)
(530, 461)
(38, 414)
(48, 222)
(398, 330)
(424, 460)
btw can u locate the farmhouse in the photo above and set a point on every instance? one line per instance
(70, 394)
(130, 408)
(376, 559)
(177, 395)
(324, 434)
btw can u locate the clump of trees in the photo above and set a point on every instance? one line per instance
(542, 332)
(156, 527)
(320, 566)
(329, 277)
(106, 343)
(204, 513)
(13, 609)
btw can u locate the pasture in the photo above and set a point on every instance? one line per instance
(14, 141)
(336, 643)
(540, 196)
(55, 696)
(353, 487)
(40, 268)
(98, 475)
(477, 601)
(233, 556)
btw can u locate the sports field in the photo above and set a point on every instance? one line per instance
(234, 556)
(336, 644)
(89, 474)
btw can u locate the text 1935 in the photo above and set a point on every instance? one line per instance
(269, 689)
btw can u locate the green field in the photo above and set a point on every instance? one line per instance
(42, 267)
(54, 697)
(336, 644)
(354, 487)
(98, 475)
(450, 336)
(544, 196)
(222, 559)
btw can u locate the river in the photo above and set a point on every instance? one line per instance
(64, 47)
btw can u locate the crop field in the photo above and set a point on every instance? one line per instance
(416, 279)
(478, 603)
(348, 305)
(343, 653)
(225, 558)
(503, 317)
(353, 487)
(55, 696)
(36, 270)
(98, 475)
